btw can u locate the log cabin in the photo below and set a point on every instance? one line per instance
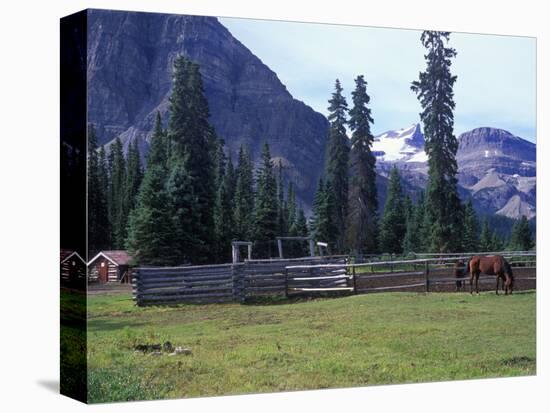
(110, 266)
(73, 267)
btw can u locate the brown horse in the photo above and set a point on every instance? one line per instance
(491, 265)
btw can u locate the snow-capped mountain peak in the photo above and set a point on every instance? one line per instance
(406, 145)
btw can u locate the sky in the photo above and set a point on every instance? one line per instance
(496, 75)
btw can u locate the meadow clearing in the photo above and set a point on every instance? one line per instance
(283, 345)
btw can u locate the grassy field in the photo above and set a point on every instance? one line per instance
(351, 341)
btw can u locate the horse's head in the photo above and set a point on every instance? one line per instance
(459, 268)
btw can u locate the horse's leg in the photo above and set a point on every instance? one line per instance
(508, 286)
(498, 278)
(477, 283)
(471, 282)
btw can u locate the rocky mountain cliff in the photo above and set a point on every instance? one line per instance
(130, 60)
(496, 168)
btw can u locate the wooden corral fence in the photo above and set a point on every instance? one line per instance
(216, 283)
(426, 274)
(310, 276)
(188, 284)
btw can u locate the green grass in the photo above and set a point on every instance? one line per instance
(73, 344)
(351, 341)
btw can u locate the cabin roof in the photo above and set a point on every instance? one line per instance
(117, 257)
(65, 255)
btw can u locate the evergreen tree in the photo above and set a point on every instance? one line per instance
(133, 177)
(435, 93)
(104, 189)
(265, 213)
(219, 163)
(299, 229)
(393, 226)
(291, 206)
(410, 240)
(485, 243)
(230, 181)
(496, 242)
(98, 222)
(521, 238)
(282, 210)
(150, 226)
(191, 139)
(362, 222)
(181, 201)
(337, 159)
(423, 236)
(322, 225)
(223, 218)
(243, 208)
(408, 208)
(158, 151)
(118, 210)
(471, 228)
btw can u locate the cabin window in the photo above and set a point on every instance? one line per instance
(103, 264)
(73, 263)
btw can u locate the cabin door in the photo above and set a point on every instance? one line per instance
(103, 272)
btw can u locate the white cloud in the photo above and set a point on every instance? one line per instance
(496, 74)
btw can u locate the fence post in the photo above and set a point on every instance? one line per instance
(427, 276)
(286, 282)
(238, 282)
(391, 262)
(280, 247)
(135, 286)
(354, 281)
(235, 278)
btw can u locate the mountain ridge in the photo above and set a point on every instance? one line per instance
(248, 103)
(496, 168)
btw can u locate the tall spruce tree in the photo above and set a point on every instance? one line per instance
(158, 151)
(134, 176)
(362, 222)
(337, 159)
(291, 205)
(497, 243)
(521, 238)
(485, 243)
(191, 138)
(282, 210)
(152, 223)
(118, 211)
(223, 218)
(411, 240)
(393, 225)
(104, 188)
(98, 222)
(322, 225)
(299, 229)
(231, 180)
(434, 90)
(150, 226)
(243, 204)
(265, 212)
(470, 231)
